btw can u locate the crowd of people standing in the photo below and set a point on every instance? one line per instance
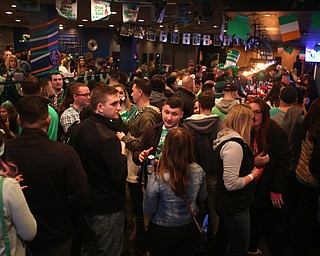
(184, 149)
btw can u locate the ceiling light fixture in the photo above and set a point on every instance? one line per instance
(141, 20)
(161, 26)
(176, 30)
(111, 26)
(80, 25)
(13, 6)
(113, 13)
(215, 26)
(84, 20)
(9, 13)
(17, 20)
(60, 28)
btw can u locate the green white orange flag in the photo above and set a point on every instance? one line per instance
(289, 27)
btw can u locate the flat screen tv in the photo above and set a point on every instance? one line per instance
(312, 55)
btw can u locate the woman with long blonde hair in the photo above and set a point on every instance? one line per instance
(171, 229)
(235, 173)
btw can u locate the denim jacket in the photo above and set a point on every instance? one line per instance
(168, 210)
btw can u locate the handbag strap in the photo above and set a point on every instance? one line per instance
(192, 214)
(3, 224)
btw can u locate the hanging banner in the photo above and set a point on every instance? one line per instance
(186, 38)
(206, 39)
(222, 29)
(196, 39)
(130, 12)
(138, 32)
(157, 12)
(289, 27)
(163, 36)
(100, 10)
(182, 13)
(175, 38)
(28, 5)
(151, 34)
(67, 9)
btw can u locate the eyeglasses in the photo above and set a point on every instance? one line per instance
(83, 94)
(257, 112)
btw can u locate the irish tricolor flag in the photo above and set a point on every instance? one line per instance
(289, 27)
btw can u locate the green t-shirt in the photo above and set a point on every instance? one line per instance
(164, 133)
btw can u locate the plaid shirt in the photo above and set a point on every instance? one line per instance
(68, 117)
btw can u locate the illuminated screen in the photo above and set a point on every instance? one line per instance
(312, 55)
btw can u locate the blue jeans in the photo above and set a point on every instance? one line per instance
(238, 231)
(108, 240)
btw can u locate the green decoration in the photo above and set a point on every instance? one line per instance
(317, 48)
(289, 50)
(315, 24)
(239, 27)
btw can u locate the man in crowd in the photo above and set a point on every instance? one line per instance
(153, 139)
(204, 128)
(31, 86)
(145, 117)
(229, 99)
(81, 99)
(103, 159)
(55, 179)
(185, 93)
(57, 83)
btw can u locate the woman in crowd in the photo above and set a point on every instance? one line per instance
(308, 176)
(128, 109)
(195, 107)
(171, 230)
(82, 66)
(19, 221)
(235, 173)
(270, 147)
(273, 97)
(13, 70)
(64, 68)
(8, 115)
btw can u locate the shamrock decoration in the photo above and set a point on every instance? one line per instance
(315, 21)
(317, 47)
(289, 50)
(239, 27)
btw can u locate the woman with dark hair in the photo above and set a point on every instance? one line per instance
(171, 229)
(308, 176)
(273, 97)
(235, 173)
(270, 147)
(9, 114)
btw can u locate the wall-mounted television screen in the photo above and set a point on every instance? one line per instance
(312, 55)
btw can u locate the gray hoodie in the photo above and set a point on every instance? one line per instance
(231, 154)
